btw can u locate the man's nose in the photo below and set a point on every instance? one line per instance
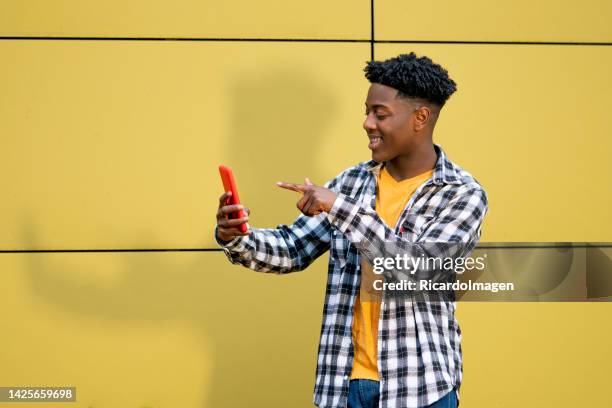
(369, 124)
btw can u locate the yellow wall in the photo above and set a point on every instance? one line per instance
(115, 145)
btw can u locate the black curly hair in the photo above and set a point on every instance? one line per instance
(413, 77)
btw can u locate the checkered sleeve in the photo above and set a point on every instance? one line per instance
(453, 233)
(286, 248)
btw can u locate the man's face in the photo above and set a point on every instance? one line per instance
(388, 123)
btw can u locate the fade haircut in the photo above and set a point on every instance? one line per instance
(413, 77)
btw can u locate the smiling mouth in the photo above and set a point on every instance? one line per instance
(375, 141)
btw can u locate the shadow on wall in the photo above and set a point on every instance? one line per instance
(276, 120)
(278, 123)
(258, 331)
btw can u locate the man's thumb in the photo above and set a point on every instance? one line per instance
(308, 182)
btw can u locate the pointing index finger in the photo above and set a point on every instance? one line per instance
(292, 186)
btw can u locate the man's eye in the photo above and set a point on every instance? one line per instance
(378, 115)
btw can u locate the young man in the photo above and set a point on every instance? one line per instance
(398, 352)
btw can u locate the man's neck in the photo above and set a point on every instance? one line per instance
(417, 162)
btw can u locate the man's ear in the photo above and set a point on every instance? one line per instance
(422, 116)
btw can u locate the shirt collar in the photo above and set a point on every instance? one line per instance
(445, 171)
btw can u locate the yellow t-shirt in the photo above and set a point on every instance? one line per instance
(391, 199)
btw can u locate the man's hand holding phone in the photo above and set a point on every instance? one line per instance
(231, 216)
(229, 228)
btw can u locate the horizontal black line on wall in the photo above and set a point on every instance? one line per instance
(187, 39)
(310, 40)
(524, 245)
(27, 251)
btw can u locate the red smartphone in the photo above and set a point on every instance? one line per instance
(229, 184)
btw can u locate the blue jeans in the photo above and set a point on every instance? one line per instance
(365, 394)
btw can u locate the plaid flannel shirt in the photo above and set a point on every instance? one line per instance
(419, 342)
